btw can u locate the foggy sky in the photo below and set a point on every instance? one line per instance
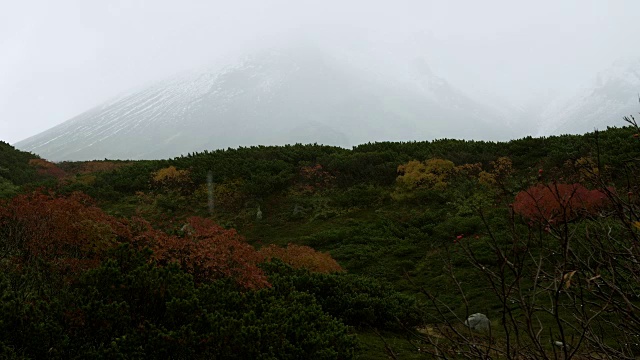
(60, 58)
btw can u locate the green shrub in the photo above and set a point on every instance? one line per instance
(356, 300)
(129, 308)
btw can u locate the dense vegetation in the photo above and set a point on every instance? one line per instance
(14, 169)
(310, 251)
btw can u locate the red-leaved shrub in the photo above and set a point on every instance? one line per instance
(558, 202)
(71, 234)
(209, 251)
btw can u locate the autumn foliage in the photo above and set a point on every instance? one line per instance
(302, 257)
(71, 234)
(558, 202)
(502, 168)
(431, 174)
(100, 166)
(313, 178)
(209, 252)
(47, 168)
(172, 179)
(228, 195)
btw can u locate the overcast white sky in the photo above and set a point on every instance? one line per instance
(60, 58)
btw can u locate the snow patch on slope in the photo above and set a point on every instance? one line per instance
(601, 103)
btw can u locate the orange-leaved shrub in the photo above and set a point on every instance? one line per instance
(209, 251)
(299, 256)
(558, 202)
(47, 168)
(71, 234)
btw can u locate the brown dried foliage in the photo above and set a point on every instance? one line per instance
(47, 168)
(302, 257)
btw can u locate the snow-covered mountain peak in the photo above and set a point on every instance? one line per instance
(612, 94)
(296, 93)
(624, 69)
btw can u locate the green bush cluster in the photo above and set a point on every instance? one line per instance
(356, 300)
(15, 170)
(129, 309)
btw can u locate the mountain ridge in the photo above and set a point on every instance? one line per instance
(275, 97)
(302, 93)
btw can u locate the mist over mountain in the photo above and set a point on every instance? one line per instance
(303, 92)
(294, 94)
(611, 95)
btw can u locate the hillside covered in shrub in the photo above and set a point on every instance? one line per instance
(319, 252)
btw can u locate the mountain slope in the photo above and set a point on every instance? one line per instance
(612, 95)
(297, 94)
